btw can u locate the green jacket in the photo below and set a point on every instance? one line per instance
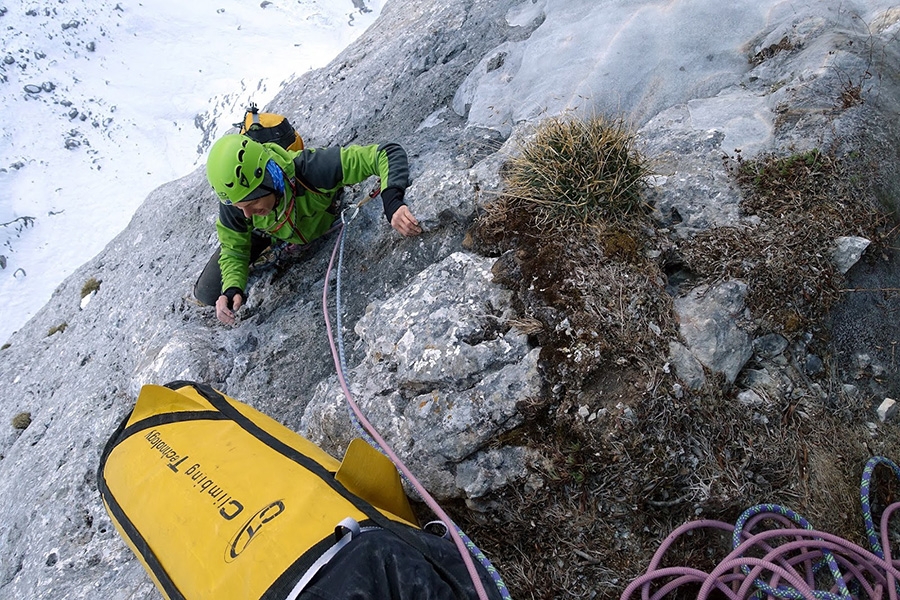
(313, 178)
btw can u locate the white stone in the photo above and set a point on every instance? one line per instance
(887, 409)
(847, 251)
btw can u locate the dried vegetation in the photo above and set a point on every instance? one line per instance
(803, 202)
(628, 454)
(574, 172)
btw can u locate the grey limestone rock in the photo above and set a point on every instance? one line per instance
(708, 322)
(457, 83)
(440, 376)
(687, 367)
(848, 250)
(770, 345)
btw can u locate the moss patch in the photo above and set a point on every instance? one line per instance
(21, 421)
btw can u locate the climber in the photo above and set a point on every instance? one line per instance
(268, 192)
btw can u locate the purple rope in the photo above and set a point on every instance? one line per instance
(789, 569)
(885, 518)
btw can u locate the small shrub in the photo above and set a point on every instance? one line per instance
(851, 94)
(57, 329)
(789, 176)
(21, 421)
(90, 286)
(578, 171)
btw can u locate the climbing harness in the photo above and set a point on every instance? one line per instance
(464, 545)
(764, 565)
(280, 249)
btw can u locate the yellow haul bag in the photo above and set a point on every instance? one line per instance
(218, 500)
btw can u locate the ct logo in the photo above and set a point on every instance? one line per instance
(250, 530)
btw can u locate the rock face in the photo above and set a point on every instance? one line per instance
(440, 343)
(708, 322)
(430, 354)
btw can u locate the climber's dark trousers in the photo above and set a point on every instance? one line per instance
(209, 285)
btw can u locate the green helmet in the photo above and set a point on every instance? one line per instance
(235, 167)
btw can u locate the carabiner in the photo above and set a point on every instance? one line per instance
(353, 207)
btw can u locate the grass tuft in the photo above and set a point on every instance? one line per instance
(90, 286)
(21, 421)
(575, 171)
(57, 329)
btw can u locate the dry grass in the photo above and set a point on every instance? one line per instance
(57, 329)
(627, 454)
(575, 171)
(770, 51)
(804, 202)
(21, 421)
(90, 286)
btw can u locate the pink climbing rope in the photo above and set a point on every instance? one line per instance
(790, 561)
(429, 500)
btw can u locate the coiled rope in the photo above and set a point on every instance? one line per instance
(464, 545)
(765, 565)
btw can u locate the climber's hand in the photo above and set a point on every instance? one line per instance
(404, 222)
(225, 309)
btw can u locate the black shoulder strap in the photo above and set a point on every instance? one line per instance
(306, 184)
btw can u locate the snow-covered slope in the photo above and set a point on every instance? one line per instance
(104, 100)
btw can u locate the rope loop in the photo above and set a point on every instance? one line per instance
(789, 560)
(353, 210)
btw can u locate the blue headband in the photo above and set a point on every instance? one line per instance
(277, 176)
